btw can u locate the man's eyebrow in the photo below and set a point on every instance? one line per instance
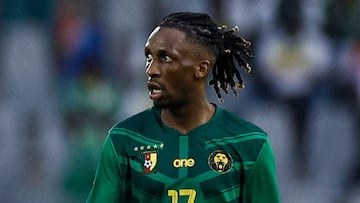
(147, 50)
(162, 52)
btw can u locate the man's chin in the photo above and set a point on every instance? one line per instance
(160, 104)
(166, 104)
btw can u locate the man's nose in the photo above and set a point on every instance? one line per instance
(152, 68)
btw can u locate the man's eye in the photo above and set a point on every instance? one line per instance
(149, 58)
(166, 59)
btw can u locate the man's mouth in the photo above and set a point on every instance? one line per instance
(154, 91)
(155, 94)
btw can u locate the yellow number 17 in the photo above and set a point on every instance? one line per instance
(183, 192)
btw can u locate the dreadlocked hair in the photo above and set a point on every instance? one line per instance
(230, 50)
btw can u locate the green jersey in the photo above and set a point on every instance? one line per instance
(225, 160)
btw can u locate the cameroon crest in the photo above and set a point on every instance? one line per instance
(149, 154)
(150, 159)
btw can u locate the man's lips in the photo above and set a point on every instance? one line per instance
(155, 90)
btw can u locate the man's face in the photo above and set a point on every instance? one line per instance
(170, 67)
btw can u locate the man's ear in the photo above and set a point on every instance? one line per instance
(202, 69)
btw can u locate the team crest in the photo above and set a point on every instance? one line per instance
(150, 159)
(149, 154)
(220, 161)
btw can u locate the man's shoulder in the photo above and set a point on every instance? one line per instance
(136, 121)
(236, 123)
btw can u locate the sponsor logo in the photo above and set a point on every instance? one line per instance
(180, 163)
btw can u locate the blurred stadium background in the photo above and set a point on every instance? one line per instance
(69, 70)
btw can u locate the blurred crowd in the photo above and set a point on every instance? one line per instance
(69, 70)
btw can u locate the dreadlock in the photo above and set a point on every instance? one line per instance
(229, 49)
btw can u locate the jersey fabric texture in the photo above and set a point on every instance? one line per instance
(225, 160)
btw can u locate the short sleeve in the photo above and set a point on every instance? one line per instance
(261, 187)
(108, 184)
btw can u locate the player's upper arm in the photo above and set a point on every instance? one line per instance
(108, 183)
(261, 187)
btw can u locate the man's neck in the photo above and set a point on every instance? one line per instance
(188, 117)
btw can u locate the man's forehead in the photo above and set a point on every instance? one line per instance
(166, 35)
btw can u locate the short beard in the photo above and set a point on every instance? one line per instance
(170, 105)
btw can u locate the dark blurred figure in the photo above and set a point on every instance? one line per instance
(86, 93)
(291, 64)
(342, 27)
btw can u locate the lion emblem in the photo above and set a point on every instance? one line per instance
(220, 161)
